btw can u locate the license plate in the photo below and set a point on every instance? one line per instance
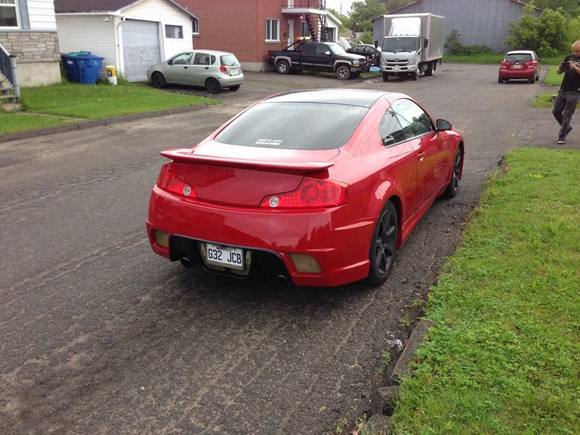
(225, 256)
(517, 66)
(234, 71)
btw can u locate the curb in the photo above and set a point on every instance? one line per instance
(98, 123)
(385, 398)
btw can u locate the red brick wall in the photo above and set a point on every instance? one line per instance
(239, 26)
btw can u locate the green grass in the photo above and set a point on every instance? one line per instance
(14, 122)
(544, 100)
(503, 354)
(492, 59)
(103, 101)
(553, 78)
(49, 106)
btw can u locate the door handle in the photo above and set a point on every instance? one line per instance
(207, 67)
(184, 67)
(421, 156)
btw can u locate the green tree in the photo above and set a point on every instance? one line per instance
(546, 33)
(362, 12)
(570, 6)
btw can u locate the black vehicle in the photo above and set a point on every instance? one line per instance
(372, 54)
(318, 56)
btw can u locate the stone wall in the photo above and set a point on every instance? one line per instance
(31, 46)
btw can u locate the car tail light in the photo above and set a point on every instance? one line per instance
(170, 182)
(223, 69)
(312, 193)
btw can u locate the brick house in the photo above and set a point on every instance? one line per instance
(249, 28)
(28, 34)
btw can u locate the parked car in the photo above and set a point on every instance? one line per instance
(317, 56)
(520, 64)
(318, 187)
(214, 70)
(372, 53)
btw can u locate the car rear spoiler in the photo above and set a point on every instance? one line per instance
(188, 156)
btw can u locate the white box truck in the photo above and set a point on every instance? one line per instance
(411, 44)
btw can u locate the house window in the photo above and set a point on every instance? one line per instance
(272, 30)
(174, 32)
(8, 14)
(195, 26)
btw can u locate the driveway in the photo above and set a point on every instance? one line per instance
(99, 335)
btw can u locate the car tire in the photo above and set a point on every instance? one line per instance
(385, 77)
(538, 76)
(213, 86)
(158, 80)
(429, 71)
(343, 72)
(282, 67)
(453, 186)
(500, 80)
(532, 80)
(234, 88)
(383, 250)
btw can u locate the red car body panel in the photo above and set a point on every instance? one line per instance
(230, 182)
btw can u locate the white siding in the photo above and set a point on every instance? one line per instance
(165, 13)
(91, 33)
(41, 15)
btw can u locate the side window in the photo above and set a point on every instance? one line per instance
(321, 49)
(182, 59)
(201, 59)
(390, 129)
(308, 49)
(412, 118)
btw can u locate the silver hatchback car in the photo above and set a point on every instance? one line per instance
(215, 70)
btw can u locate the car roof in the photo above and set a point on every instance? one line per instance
(214, 52)
(520, 52)
(349, 97)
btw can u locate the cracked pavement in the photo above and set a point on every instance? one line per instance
(99, 335)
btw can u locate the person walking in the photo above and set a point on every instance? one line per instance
(569, 94)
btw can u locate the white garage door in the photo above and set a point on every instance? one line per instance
(140, 48)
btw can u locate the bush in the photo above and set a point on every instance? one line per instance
(454, 46)
(546, 34)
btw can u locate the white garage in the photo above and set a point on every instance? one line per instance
(130, 34)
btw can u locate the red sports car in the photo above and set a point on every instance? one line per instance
(319, 187)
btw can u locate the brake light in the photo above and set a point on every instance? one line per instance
(311, 193)
(223, 69)
(170, 182)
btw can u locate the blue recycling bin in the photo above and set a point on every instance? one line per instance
(89, 67)
(82, 67)
(70, 62)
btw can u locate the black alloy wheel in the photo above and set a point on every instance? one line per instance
(385, 76)
(384, 245)
(158, 80)
(213, 86)
(453, 185)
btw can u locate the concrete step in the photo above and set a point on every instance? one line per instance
(9, 98)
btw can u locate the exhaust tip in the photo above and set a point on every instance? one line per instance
(186, 262)
(283, 280)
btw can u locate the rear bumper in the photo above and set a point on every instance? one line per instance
(517, 74)
(342, 251)
(227, 80)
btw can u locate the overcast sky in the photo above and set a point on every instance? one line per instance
(335, 4)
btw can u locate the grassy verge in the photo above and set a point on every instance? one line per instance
(544, 100)
(492, 59)
(68, 102)
(553, 78)
(503, 354)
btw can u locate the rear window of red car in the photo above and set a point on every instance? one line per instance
(523, 57)
(302, 126)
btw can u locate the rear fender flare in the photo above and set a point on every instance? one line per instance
(386, 190)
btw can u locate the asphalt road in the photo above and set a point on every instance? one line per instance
(99, 335)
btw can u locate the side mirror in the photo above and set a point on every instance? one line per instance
(443, 125)
(327, 53)
(388, 140)
(170, 62)
(425, 43)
